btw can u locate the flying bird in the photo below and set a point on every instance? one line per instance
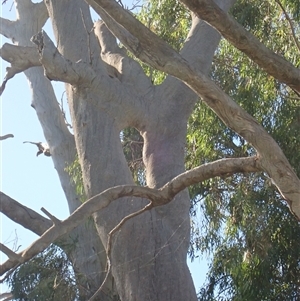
(43, 148)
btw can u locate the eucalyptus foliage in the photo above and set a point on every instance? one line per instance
(48, 276)
(241, 223)
(251, 238)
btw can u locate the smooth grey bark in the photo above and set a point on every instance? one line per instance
(104, 98)
(156, 197)
(88, 255)
(274, 64)
(166, 59)
(149, 252)
(21, 214)
(109, 94)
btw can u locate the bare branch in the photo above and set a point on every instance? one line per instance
(6, 136)
(121, 66)
(7, 28)
(290, 23)
(55, 220)
(237, 35)
(23, 215)
(158, 197)
(139, 39)
(57, 67)
(21, 58)
(166, 59)
(9, 253)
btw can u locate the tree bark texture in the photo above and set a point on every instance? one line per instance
(154, 266)
(88, 256)
(108, 91)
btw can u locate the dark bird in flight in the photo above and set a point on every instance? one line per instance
(43, 148)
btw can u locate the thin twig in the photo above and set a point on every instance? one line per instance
(290, 23)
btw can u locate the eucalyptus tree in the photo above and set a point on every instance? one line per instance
(144, 231)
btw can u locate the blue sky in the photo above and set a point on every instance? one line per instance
(28, 179)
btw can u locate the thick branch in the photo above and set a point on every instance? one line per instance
(21, 58)
(7, 28)
(164, 58)
(23, 215)
(158, 197)
(140, 39)
(238, 36)
(9, 253)
(123, 67)
(57, 67)
(87, 256)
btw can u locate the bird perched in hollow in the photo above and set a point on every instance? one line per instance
(43, 148)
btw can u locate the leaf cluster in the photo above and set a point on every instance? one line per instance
(75, 172)
(132, 143)
(252, 239)
(48, 276)
(240, 222)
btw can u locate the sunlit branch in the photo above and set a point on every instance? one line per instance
(56, 66)
(158, 197)
(166, 59)
(237, 35)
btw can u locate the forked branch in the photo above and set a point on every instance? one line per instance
(237, 35)
(157, 197)
(166, 59)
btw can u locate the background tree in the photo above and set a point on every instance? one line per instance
(109, 93)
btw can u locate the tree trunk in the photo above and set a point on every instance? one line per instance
(149, 251)
(88, 254)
